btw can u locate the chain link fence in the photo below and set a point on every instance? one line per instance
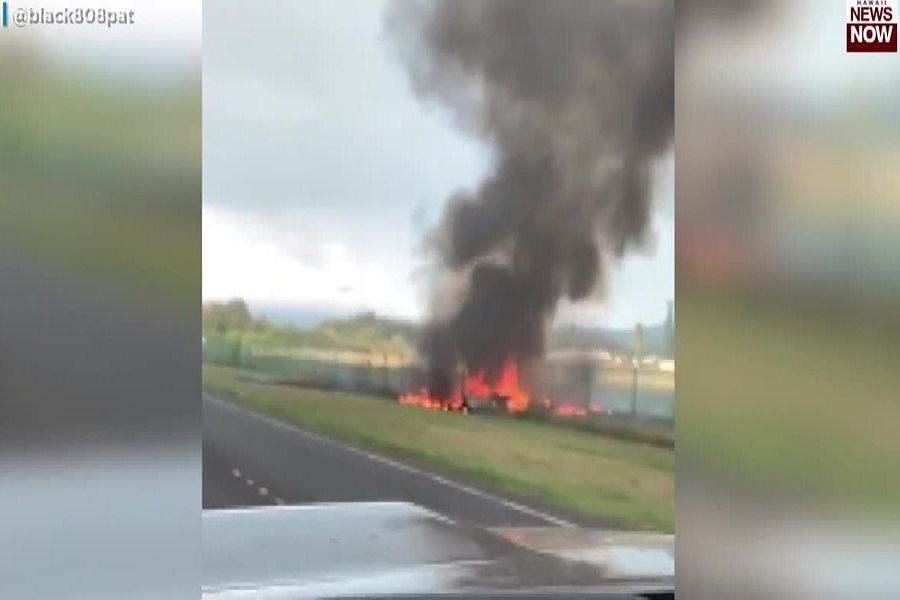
(584, 385)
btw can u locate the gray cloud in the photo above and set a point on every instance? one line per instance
(345, 147)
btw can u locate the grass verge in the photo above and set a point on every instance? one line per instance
(619, 427)
(627, 484)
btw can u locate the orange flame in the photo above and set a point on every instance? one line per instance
(476, 386)
(507, 387)
(424, 400)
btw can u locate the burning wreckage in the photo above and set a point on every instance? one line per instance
(474, 391)
(508, 393)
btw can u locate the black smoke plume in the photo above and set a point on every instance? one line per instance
(576, 100)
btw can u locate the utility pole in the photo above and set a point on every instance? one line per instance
(635, 361)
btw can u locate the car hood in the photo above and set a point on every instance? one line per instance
(389, 548)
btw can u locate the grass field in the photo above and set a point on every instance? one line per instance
(627, 484)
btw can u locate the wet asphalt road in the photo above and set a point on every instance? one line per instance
(251, 460)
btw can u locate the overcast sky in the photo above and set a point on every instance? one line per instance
(322, 172)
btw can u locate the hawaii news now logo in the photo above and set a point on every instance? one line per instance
(871, 25)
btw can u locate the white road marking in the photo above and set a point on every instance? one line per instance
(355, 505)
(250, 482)
(263, 491)
(521, 508)
(278, 500)
(236, 472)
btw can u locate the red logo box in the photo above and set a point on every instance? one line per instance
(871, 25)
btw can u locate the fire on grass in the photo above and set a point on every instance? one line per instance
(506, 391)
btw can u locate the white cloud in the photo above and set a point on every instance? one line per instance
(242, 263)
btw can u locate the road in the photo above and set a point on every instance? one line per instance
(249, 459)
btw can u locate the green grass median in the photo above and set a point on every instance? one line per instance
(627, 484)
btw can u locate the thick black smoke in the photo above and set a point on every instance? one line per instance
(576, 99)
